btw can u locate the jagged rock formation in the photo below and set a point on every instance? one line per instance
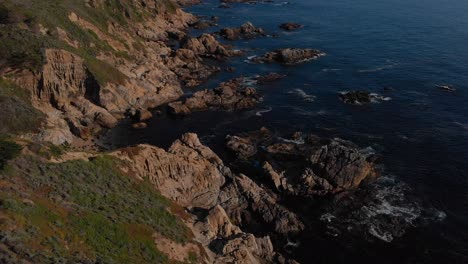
(231, 95)
(289, 56)
(306, 167)
(206, 45)
(194, 177)
(246, 31)
(188, 173)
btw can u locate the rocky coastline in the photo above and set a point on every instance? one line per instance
(233, 216)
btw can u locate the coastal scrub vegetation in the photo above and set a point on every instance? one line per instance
(18, 116)
(82, 211)
(27, 27)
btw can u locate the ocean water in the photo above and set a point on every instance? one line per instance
(420, 131)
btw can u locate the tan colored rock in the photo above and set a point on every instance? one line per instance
(188, 173)
(230, 96)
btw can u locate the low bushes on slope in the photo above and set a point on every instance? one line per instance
(82, 211)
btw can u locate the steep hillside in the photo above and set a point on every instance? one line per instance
(86, 64)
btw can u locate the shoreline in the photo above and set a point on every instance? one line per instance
(251, 195)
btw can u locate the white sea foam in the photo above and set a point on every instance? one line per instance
(375, 98)
(301, 93)
(387, 213)
(380, 68)
(327, 217)
(380, 234)
(330, 70)
(465, 126)
(297, 142)
(261, 112)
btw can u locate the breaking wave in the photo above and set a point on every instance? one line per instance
(306, 97)
(261, 112)
(387, 211)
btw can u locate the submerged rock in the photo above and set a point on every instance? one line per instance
(271, 77)
(447, 88)
(290, 26)
(140, 125)
(289, 56)
(361, 97)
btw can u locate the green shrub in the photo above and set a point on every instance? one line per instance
(86, 210)
(8, 150)
(18, 115)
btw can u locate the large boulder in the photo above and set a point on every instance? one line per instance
(189, 173)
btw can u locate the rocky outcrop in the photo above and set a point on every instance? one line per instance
(207, 46)
(193, 176)
(188, 173)
(185, 3)
(189, 67)
(271, 77)
(306, 166)
(289, 56)
(290, 26)
(232, 95)
(246, 31)
(227, 243)
(243, 198)
(361, 97)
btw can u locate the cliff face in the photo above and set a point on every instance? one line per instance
(89, 64)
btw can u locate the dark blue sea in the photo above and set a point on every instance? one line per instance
(408, 47)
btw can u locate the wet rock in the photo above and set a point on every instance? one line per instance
(361, 97)
(243, 147)
(289, 56)
(224, 5)
(271, 77)
(306, 167)
(189, 67)
(202, 24)
(356, 97)
(343, 165)
(140, 125)
(230, 69)
(447, 88)
(229, 96)
(242, 197)
(186, 3)
(246, 31)
(290, 26)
